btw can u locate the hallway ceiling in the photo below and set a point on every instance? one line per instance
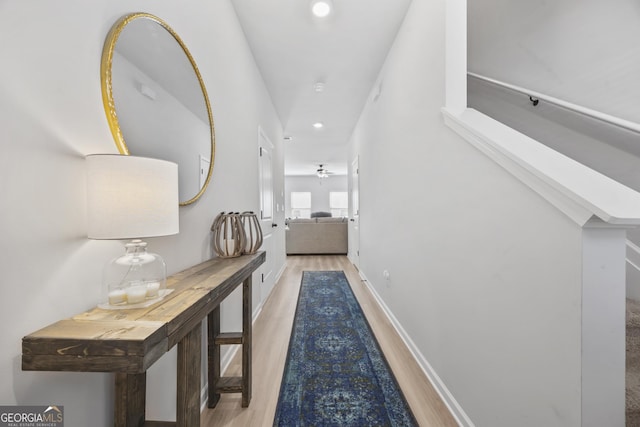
(294, 50)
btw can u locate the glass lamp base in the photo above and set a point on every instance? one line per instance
(134, 280)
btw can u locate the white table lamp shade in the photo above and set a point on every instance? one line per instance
(131, 197)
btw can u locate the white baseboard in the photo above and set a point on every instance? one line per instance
(280, 273)
(456, 410)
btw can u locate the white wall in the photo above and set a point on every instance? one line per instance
(319, 189)
(487, 283)
(593, 62)
(51, 117)
(583, 51)
(606, 148)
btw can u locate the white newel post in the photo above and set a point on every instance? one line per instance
(603, 324)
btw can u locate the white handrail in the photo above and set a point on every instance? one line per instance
(607, 118)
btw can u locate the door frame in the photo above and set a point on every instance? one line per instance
(354, 213)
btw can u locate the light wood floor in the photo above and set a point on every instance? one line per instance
(271, 333)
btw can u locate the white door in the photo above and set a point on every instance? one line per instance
(267, 220)
(205, 165)
(354, 220)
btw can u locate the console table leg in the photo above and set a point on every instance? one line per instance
(213, 356)
(246, 335)
(189, 371)
(130, 395)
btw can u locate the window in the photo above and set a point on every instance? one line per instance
(301, 204)
(339, 203)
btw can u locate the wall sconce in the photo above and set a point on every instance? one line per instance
(132, 197)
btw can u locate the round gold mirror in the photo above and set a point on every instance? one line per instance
(156, 102)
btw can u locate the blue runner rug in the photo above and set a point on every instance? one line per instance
(335, 373)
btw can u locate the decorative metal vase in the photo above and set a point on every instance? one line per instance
(228, 235)
(252, 232)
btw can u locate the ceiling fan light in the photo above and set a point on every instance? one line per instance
(321, 8)
(322, 172)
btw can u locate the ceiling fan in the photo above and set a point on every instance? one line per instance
(322, 172)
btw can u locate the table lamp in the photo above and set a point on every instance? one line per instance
(132, 197)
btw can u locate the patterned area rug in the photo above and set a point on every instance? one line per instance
(335, 373)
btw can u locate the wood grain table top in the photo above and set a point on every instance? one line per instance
(131, 340)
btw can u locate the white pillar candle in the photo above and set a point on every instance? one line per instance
(152, 289)
(136, 294)
(117, 296)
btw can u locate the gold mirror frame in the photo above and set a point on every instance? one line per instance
(107, 89)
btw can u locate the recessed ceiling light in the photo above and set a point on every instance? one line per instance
(321, 8)
(318, 87)
(318, 125)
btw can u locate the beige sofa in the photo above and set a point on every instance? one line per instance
(316, 236)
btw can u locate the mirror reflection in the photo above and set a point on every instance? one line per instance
(156, 102)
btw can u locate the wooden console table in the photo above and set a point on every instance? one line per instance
(128, 342)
